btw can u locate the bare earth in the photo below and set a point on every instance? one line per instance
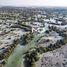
(55, 58)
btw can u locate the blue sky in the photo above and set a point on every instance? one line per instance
(33, 2)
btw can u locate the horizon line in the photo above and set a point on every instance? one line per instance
(31, 6)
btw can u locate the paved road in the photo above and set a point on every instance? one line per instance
(19, 51)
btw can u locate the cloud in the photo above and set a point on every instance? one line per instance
(34, 2)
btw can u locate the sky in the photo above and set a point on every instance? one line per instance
(34, 3)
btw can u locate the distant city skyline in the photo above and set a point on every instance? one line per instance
(60, 3)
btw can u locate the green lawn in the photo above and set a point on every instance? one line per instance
(19, 51)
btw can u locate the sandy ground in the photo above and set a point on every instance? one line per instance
(55, 58)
